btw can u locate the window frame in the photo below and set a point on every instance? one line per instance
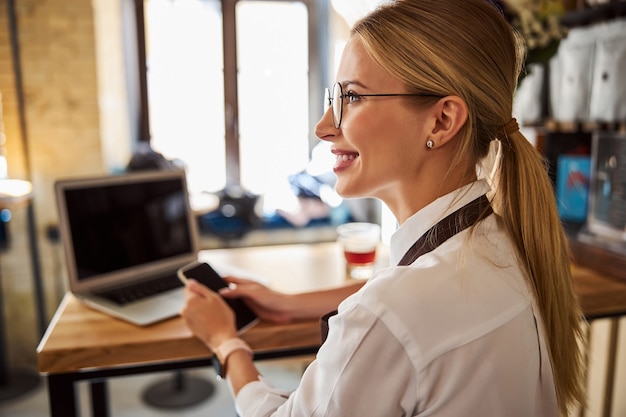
(318, 15)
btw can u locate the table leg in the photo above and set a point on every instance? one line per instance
(62, 396)
(610, 368)
(99, 398)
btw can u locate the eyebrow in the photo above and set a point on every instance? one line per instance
(346, 84)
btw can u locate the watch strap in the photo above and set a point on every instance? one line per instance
(224, 350)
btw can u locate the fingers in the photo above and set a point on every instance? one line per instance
(207, 315)
(193, 287)
(271, 315)
(239, 281)
(239, 287)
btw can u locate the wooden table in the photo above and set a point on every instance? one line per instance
(82, 344)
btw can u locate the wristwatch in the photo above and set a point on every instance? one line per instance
(223, 351)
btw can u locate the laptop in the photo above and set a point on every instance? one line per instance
(124, 238)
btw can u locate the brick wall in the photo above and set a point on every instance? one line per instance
(63, 90)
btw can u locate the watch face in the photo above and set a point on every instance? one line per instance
(217, 365)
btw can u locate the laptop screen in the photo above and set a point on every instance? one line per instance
(125, 224)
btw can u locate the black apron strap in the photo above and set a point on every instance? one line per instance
(447, 227)
(461, 219)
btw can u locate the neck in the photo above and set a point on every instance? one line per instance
(417, 195)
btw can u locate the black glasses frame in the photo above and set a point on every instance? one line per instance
(337, 118)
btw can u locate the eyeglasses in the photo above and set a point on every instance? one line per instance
(335, 100)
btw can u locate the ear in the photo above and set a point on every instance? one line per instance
(450, 114)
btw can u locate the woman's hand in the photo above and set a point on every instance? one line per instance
(207, 315)
(283, 308)
(267, 304)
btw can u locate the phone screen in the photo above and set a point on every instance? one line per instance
(206, 275)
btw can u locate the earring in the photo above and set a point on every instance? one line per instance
(430, 144)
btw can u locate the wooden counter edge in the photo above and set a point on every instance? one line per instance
(263, 338)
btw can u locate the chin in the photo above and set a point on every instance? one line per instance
(348, 191)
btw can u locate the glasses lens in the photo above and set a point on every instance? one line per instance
(327, 100)
(337, 103)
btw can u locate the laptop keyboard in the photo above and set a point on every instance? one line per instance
(142, 289)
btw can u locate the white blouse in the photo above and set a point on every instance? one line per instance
(454, 334)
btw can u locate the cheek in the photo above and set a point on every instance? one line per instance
(383, 134)
(388, 157)
(397, 156)
(388, 139)
(367, 128)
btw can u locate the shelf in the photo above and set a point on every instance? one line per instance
(595, 14)
(582, 127)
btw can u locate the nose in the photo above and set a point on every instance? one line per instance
(325, 128)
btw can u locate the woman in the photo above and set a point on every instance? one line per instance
(481, 321)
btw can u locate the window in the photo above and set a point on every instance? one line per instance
(185, 87)
(273, 76)
(241, 118)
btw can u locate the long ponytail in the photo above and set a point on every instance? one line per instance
(527, 207)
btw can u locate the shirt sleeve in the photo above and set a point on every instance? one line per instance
(361, 370)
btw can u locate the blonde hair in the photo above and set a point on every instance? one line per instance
(467, 48)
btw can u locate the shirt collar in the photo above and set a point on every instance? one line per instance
(416, 225)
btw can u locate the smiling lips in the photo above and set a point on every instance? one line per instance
(344, 160)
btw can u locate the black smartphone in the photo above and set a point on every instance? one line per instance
(206, 275)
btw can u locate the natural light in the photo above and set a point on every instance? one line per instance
(186, 92)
